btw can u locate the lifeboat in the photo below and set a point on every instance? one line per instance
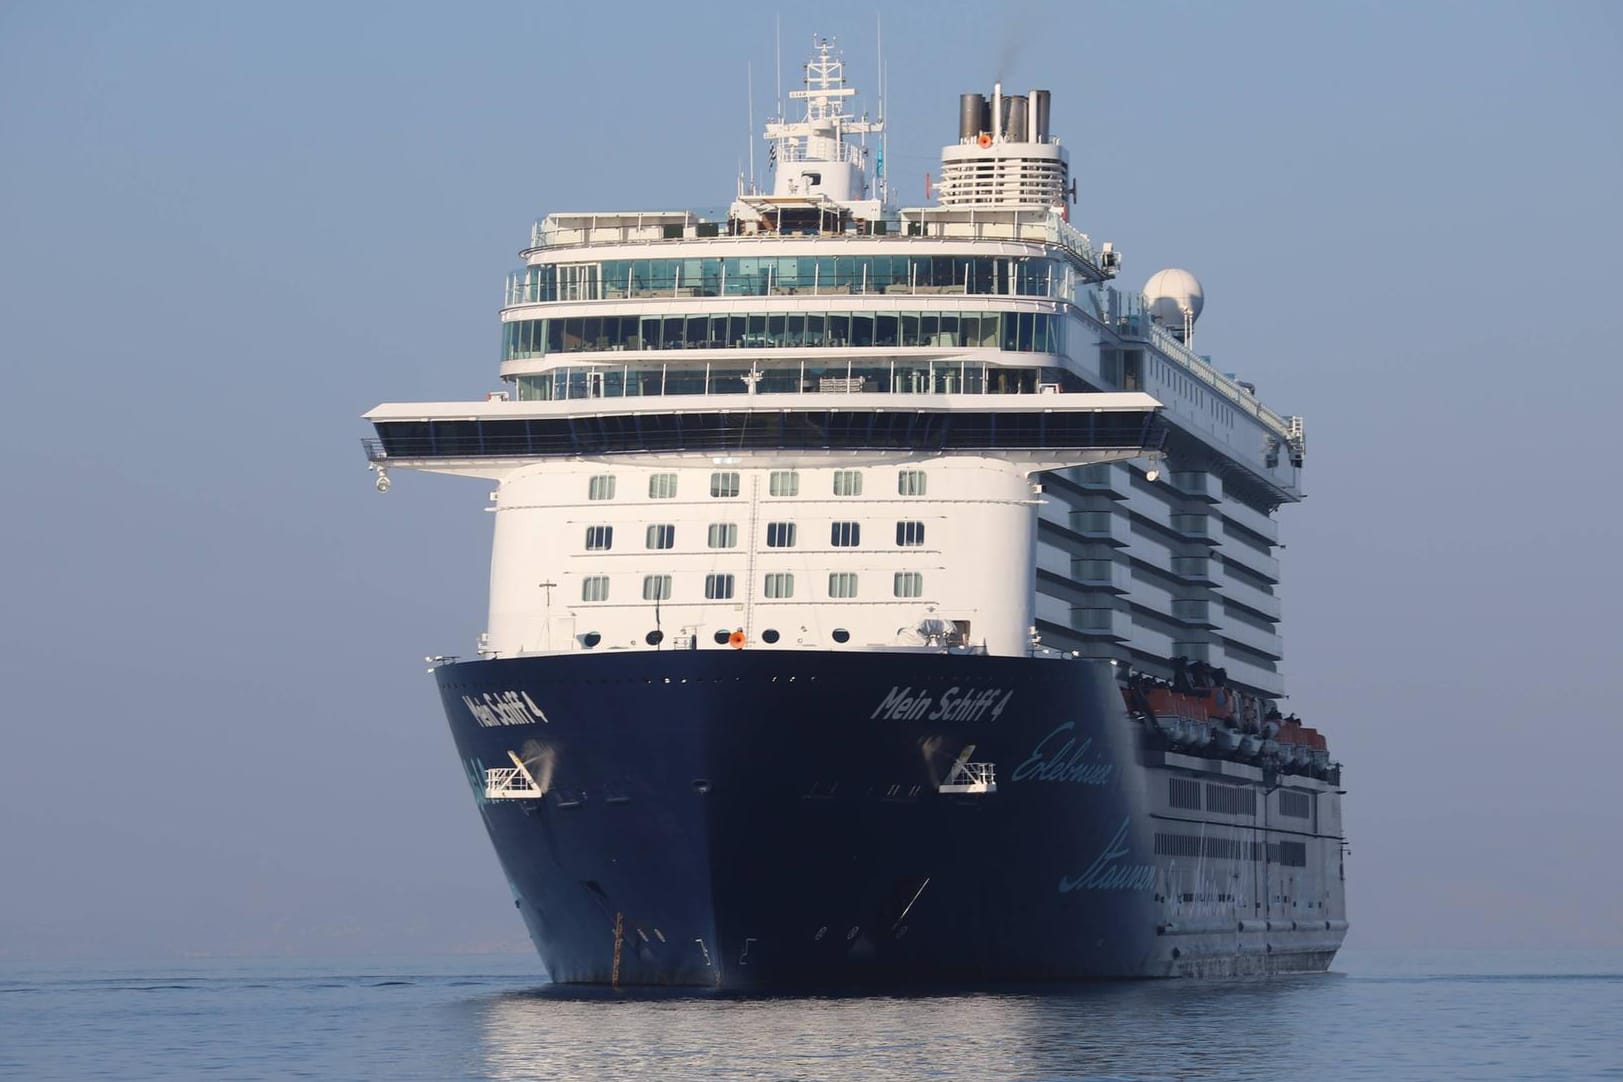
(1227, 740)
(1250, 745)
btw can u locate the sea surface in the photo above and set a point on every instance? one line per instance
(1387, 1015)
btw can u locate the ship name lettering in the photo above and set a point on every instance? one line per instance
(971, 705)
(495, 708)
(1069, 762)
(1107, 872)
(956, 704)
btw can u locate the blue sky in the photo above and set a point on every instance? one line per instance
(226, 230)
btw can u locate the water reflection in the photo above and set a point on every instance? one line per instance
(1126, 1030)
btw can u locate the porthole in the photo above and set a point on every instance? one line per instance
(841, 635)
(590, 639)
(722, 636)
(654, 638)
(770, 635)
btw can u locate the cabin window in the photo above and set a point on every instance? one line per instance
(910, 482)
(908, 584)
(723, 535)
(845, 534)
(599, 538)
(847, 483)
(656, 587)
(780, 535)
(779, 585)
(718, 587)
(594, 588)
(724, 484)
(909, 533)
(662, 536)
(842, 584)
(784, 483)
(600, 487)
(662, 486)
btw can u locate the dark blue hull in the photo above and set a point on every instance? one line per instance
(775, 819)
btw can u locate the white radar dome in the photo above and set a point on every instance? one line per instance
(1175, 299)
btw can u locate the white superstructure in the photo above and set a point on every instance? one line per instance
(638, 506)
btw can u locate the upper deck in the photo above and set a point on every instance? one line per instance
(557, 237)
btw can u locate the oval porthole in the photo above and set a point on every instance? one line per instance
(722, 636)
(590, 639)
(770, 635)
(841, 635)
(654, 638)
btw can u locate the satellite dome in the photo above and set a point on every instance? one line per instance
(1175, 299)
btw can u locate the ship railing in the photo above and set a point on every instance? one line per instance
(509, 783)
(971, 778)
(1029, 224)
(791, 149)
(1132, 320)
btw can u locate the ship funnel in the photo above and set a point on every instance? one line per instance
(1014, 118)
(971, 115)
(1005, 154)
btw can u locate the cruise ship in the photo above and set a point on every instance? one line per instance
(878, 595)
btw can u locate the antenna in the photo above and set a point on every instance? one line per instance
(749, 75)
(778, 50)
(879, 48)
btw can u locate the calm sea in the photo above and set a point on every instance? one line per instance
(1380, 1015)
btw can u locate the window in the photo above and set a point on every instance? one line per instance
(600, 487)
(662, 486)
(661, 537)
(718, 587)
(910, 533)
(780, 535)
(599, 537)
(1183, 793)
(847, 483)
(723, 535)
(594, 588)
(908, 584)
(1292, 854)
(842, 584)
(780, 584)
(724, 484)
(1296, 805)
(656, 587)
(845, 534)
(910, 482)
(784, 483)
(1230, 800)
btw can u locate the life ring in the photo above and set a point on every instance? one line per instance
(736, 640)
(985, 140)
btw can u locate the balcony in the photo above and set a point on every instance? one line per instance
(1246, 635)
(1106, 526)
(1103, 478)
(1257, 522)
(1193, 611)
(1195, 569)
(1237, 552)
(1243, 594)
(1101, 623)
(1198, 528)
(1097, 574)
